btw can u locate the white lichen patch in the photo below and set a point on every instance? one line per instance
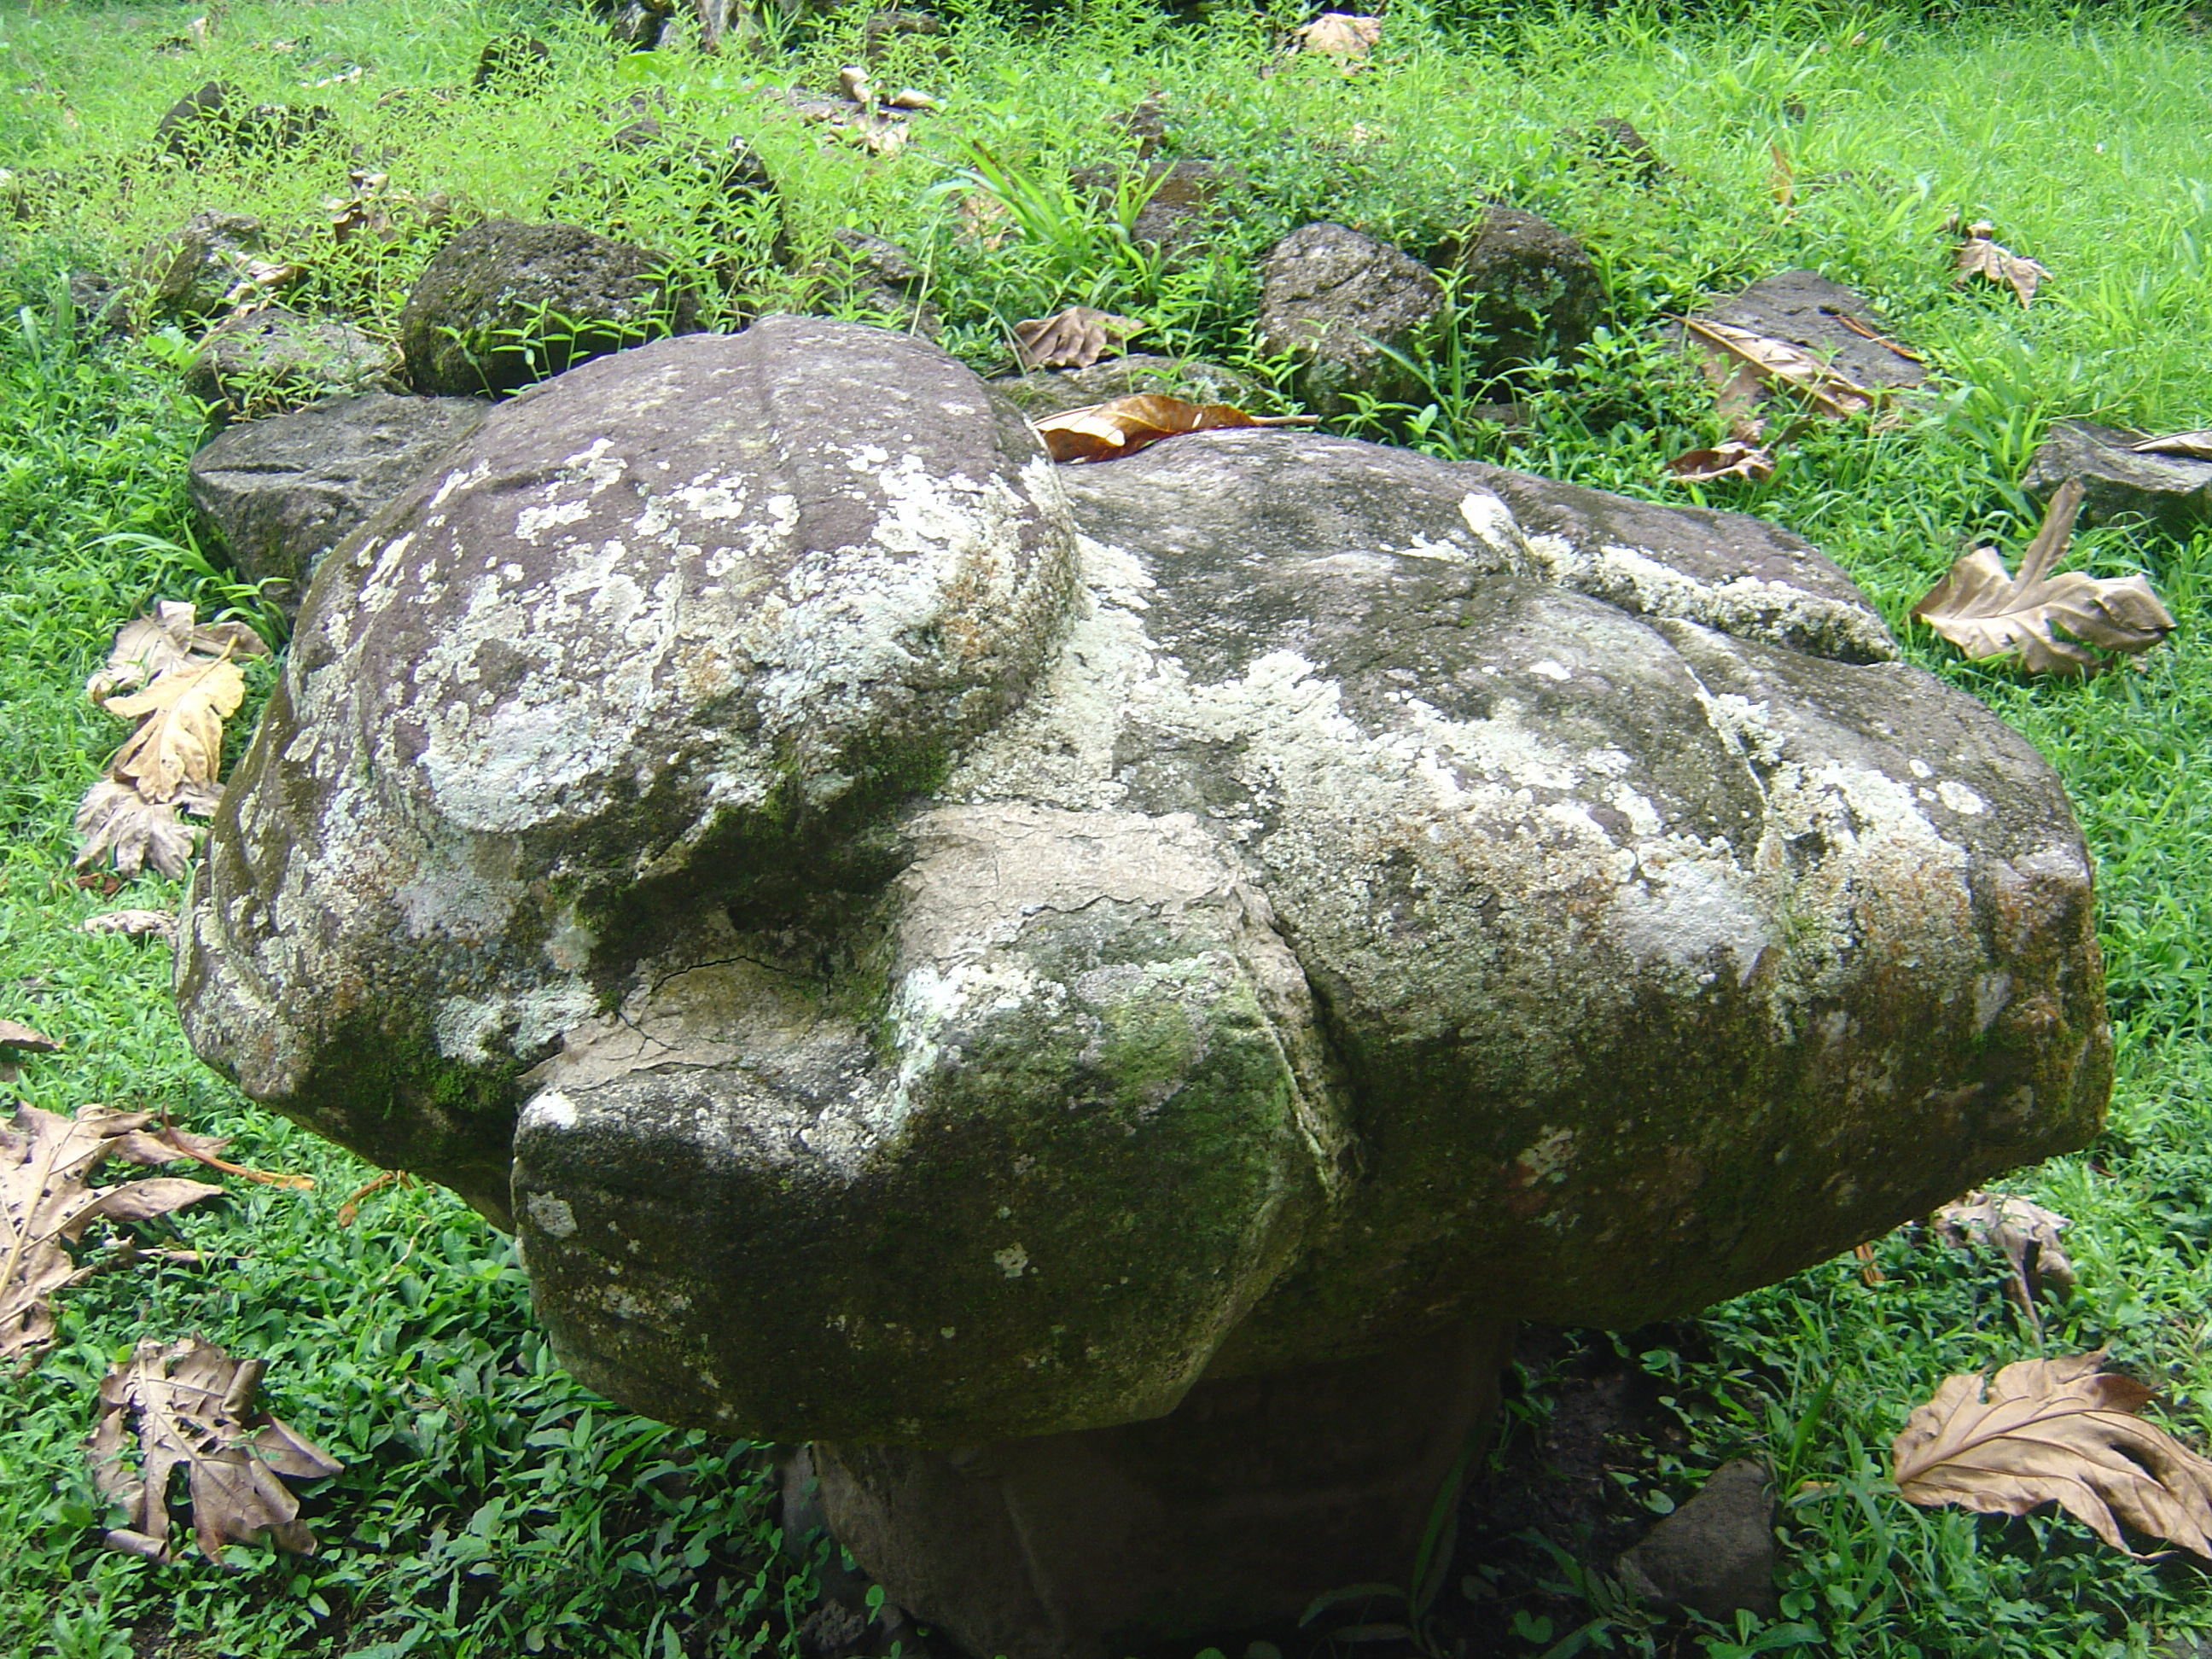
(553, 1216)
(1014, 1261)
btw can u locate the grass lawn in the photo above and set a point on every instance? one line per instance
(489, 1506)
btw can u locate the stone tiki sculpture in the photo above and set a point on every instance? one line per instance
(1096, 994)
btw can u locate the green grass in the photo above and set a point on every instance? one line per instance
(490, 1504)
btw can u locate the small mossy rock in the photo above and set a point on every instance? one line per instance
(274, 359)
(282, 491)
(507, 303)
(1715, 1555)
(1331, 298)
(211, 118)
(98, 310)
(666, 640)
(926, 976)
(1528, 286)
(192, 273)
(2171, 494)
(1806, 310)
(885, 281)
(1048, 392)
(513, 63)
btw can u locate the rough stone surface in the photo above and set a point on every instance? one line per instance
(1048, 391)
(2172, 494)
(512, 62)
(1328, 296)
(1530, 287)
(1183, 197)
(1255, 1496)
(274, 358)
(192, 273)
(506, 303)
(211, 118)
(281, 492)
(1805, 309)
(97, 307)
(1715, 1555)
(1376, 916)
(886, 280)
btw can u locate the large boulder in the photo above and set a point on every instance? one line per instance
(281, 492)
(931, 949)
(507, 303)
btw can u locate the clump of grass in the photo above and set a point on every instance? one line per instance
(493, 1506)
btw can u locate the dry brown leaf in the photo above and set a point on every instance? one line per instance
(852, 80)
(131, 924)
(179, 736)
(1074, 338)
(114, 819)
(1864, 333)
(2023, 1231)
(26, 1040)
(1779, 361)
(46, 1201)
(1734, 460)
(1122, 426)
(2191, 446)
(1341, 35)
(985, 220)
(167, 637)
(194, 1408)
(2056, 1432)
(1980, 256)
(910, 98)
(1987, 613)
(383, 1178)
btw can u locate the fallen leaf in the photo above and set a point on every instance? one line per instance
(852, 80)
(2056, 1432)
(1122, 426)
(1774, 361)
(1864, 333)
(115, 819)
(985, 220)
(46, 1201)
(2192, 446)
(1870, 1273)
(179, 736)
(1987, 613)
(166, 637)
(2023, 1231)
(1074, 338)
(1341, 35)
(909, 98)
(22, 1039)
(194, 1408)
(383, 1178)
(1980, 256)
(1734, 460)
(131, 924)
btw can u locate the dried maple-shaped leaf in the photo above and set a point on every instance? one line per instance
(179, 736)
(1074, 338)
(1987, 613)
(115, 819)
(1734, 460)
(47, 1199)
(1980, 256)
(2023, 1231)
(168, 636)
(1779, 361)
(1122, 426)
(194, 1408)
(2056, 1432)
(2191, 446)
(131, 924)
(1342, 36)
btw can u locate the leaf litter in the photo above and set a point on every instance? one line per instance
(2190, 446)
(1728, 461)
(193, 1408)
(1987, 612)
(1122, 426)
(179, 680)
(47, 1199)
(2024, 1232)
(1074, 338)
(2057, 1432)
(1980, 256)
